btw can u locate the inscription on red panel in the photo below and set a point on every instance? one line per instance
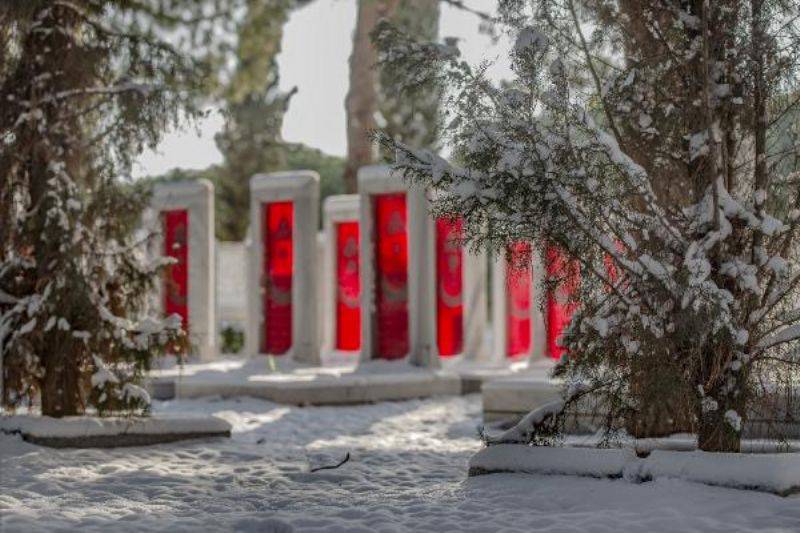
(560, 304)
(519, 300)
(449, 286)
(348, 288)
(175, 225)
(391, 270)
(277, 270)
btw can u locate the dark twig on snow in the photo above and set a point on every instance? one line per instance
(332, 467)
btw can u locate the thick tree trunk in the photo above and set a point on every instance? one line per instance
(361, 103)
(61, 392)
(716, 435)
(662, 406)
(716, 431)
(60, 386)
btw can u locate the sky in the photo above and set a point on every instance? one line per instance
(316, 46)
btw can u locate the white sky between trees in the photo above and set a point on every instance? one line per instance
(316, 47)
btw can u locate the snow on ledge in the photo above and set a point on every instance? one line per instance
(777, 473)
(87, 431)
(585, 462)
(767, 472)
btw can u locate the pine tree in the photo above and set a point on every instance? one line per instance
(635, 139)
(374, 98)
(254, 107)
(85, 86)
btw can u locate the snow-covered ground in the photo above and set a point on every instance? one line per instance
(407, 472)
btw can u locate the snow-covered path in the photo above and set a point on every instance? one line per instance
(407, 473)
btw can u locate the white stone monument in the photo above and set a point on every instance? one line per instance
(458, 276)
(423, 295)
(231, 284)
(340, 277)
(283, 295)
(517, 320)
(185, 212)
(395, 243)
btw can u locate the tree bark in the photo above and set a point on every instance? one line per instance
(361, 103)
(60, 386)
(61, 391)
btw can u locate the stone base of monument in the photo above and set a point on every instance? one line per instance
(507, 399)
(112, 432)
(475, 375)
(287, 383)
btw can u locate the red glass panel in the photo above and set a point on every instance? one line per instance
(449, 283)
(615, 273)
(559, 305)
(391, 268)
(175, 225)
(519, 300)
(277, 225)
(348, 288)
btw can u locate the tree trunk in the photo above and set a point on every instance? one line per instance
(61, 387)
(361, 103)
(663, 407)
(715, 434)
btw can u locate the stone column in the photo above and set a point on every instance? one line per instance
(450, 264)
(231, 286)
(283, 302)
(391, 305)
(185, 210)
(502, 306)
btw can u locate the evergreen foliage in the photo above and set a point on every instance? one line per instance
(637, 141)
(85, 85)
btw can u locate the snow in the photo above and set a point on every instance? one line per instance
(588, 462)
(103, 375)
(770, 472)
(131, 391)
(407, 472)
(778, 473)
(733, 419)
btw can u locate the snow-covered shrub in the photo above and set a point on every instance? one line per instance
(633, 139)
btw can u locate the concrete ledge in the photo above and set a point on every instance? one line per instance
(161, 389)
(475, 374)
(507, 400)
(546, 460)
(777, 473)
(512, 398)
(343, 390)
(111, 432)
(473, 380)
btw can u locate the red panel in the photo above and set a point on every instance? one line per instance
(277, 224)
(519, 294)
(348, 288)
(175, 225)
(614, 272)
(391, 268)
(450, 286)
(559, 306)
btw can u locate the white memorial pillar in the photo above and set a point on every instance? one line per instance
(458, 307)
(341, 275)
(283, 295)
(185, 210)
(395, 244)
(517, 320)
